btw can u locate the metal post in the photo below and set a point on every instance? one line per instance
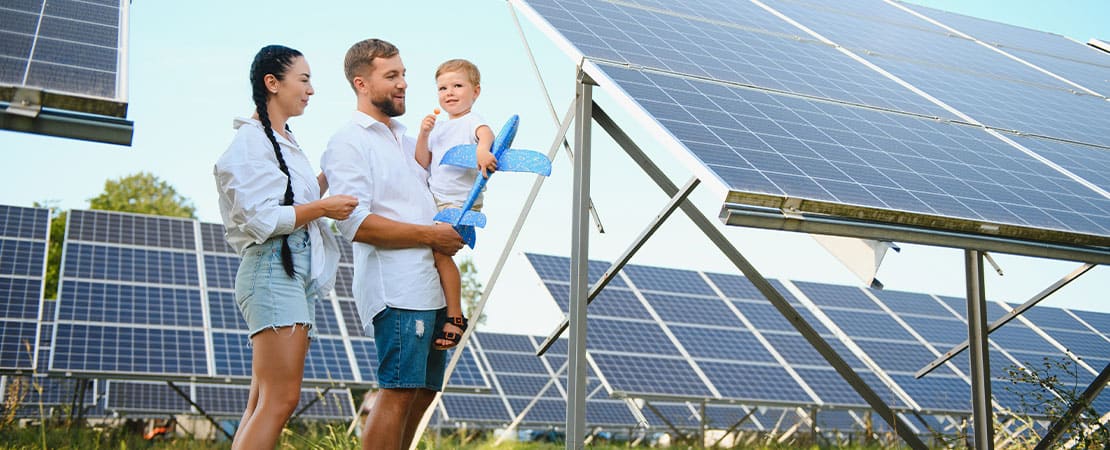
(579, 258)
(983, 422)
(1077, 408)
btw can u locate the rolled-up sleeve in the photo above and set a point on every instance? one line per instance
(349, 172)
(250, 189)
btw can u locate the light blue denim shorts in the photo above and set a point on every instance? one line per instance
(267, 296)
(404, 339)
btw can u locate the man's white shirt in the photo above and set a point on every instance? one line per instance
(375, 163)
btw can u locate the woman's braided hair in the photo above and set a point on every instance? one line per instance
(274, 60)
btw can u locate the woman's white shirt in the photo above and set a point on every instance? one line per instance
(252, 187)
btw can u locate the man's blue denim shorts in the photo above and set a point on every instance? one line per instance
(404, 339)
(267, 296)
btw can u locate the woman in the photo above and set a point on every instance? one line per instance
(270, 202)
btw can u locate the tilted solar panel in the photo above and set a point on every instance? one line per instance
(23, 240)
(789, 104)
(70, 48)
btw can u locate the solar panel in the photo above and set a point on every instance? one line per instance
(155, 296)
(23, 238)
(775, 116)
(28, 393)
(707, 48)
(229, 401)
(1009, 36)
(462, 407)
(1097, 320)
(844, 155)
(69, 48)
(134, 296)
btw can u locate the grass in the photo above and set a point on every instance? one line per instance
(299, 436)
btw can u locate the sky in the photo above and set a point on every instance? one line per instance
(187, 76)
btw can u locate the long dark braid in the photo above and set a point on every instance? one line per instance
(274, 60)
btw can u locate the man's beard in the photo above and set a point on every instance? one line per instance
(387, 106)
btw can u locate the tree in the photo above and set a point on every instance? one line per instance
(471, 289)
(140, 193)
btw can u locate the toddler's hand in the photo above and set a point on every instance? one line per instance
(427, 124)
(487, 163)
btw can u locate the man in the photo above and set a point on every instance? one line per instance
(396, 285)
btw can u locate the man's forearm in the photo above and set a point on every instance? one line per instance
(387, 233)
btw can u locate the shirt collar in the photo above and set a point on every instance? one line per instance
(250, 121)
(365, 121)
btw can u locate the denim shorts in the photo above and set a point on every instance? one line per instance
(404, 339)
(267, 296)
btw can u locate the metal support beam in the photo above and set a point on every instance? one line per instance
(200, 410)
(1057, 429)
(707, 227)
(734, 428)
(618, 264)
(313, 402)
(983, 421)
(109, 130)
(662, 417)
(774, 219)
(1006, 319)
(579, 259)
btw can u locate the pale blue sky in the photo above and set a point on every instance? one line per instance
(188, 79)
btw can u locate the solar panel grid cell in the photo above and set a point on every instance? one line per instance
(912, 303)
(128, 304)
(920, 42)
(22, 258)
(475, 407)
(1010, 36)
(81, 348)
(754, 383)
(17, 343)
(650, 375)
(21, 298)
(721, 344)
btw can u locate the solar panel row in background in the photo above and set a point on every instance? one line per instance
(146, 296)
(23, 240)
(713, 337)
(776, 112)
(155, 399)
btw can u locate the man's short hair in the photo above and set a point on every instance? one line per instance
(360, 57)
(461, 65)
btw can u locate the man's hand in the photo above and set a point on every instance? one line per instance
(444, 239)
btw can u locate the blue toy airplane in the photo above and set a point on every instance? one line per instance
(508, 160)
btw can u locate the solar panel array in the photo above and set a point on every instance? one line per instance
(790, 99)
(519, 377)
(670, 333)
(67, 47)
(150, 398)
(23, 240)
(147, 296)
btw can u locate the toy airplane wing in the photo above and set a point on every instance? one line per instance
(513, 160)
(464, 156)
